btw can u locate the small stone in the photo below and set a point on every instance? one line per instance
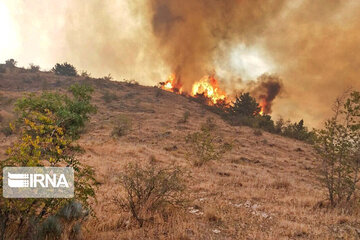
(216, 231)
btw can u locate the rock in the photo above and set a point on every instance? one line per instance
(216, 231)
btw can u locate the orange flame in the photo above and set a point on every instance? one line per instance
(262, 104)
(171, 84)
(208, 86)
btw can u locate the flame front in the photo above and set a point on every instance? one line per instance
(208, 86)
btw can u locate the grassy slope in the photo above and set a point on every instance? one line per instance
(265, 188)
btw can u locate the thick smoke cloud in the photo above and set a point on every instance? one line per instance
(190, 32)
(265, 90)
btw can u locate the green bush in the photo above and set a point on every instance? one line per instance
(65, 224)
(47, 126)
(65, 69)
(338, 148)
(204, 146)
(297, 131)
(148, 190)
(71, 112)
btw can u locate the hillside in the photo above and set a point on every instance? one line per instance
(264, 188)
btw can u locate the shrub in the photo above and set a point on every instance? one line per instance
(71, 112)
(338, 148)
(185, 117)
(65, 224)
(10, 63)
(109, 97)
(209, 125)
(85, 74)
(203, 146)
(122, 127)
(297, 131)
(108, 77)
(64, 69)
(47, 126)
(149, 190)
(34, 68)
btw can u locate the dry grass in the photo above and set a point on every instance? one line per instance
(264, 188)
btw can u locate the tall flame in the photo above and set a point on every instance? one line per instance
(208, 86)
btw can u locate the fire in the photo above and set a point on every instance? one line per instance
(262, 105)
(208, 86)
(171, 84)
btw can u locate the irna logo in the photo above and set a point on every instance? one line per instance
(38, 182)
(17, 180)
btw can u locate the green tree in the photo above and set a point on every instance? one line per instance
(65, 69)
(338, 146)
(245, 105)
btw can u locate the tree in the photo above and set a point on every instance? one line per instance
(338, 146)
(10, 63)
(47, 126)
(65, 69)
(245, 105)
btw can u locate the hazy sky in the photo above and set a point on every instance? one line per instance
(313, 46)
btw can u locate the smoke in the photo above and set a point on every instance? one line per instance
(265, 90)
(189, 33)
(313, 46)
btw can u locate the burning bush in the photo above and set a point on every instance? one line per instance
(338, 146)
(149, 190)
(65, 69)
(203, 146)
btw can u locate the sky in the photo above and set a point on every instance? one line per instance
(312, 47)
